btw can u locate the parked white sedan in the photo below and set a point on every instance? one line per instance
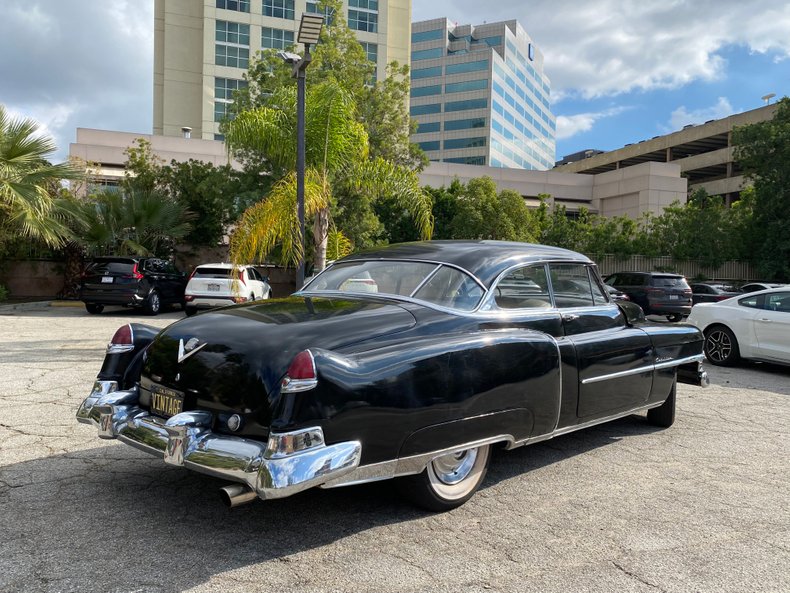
(217, 285)
(754, 326)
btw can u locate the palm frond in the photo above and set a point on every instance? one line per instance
(273, 222)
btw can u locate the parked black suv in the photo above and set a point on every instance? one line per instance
(658, 293)
(145, 282)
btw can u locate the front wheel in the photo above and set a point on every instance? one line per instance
(94, 309)
(448, 481)
(721, 346)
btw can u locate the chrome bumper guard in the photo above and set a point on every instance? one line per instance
(272, 470)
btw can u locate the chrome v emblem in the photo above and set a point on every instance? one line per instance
(188, 349)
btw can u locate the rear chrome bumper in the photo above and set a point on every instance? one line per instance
(186, 440)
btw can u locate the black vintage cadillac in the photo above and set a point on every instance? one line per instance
(406, 362)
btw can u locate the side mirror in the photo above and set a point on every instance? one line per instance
(633, 312)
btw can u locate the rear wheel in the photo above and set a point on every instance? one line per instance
(664, 415)
(94, 309)
(721, 346)
(190, 311)
(448, 481)
(154, 304)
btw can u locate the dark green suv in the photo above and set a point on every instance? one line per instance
(148, 283)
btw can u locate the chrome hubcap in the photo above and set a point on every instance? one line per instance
(718, 346)
(453, 468)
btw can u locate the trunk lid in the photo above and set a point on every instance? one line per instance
(239, 354)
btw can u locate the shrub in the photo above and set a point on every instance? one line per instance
(3, 293)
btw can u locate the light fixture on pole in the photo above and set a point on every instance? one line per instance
(767, 98)
(309, 32)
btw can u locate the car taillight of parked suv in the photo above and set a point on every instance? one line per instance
(658, 293)
(148, 283)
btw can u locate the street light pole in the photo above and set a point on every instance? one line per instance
(309, 32)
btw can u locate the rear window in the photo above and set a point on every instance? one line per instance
(213, 273)
(110, 267)
(669, 282)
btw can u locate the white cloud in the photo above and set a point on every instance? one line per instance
(608, 47)
(682, 116)
(570, 125)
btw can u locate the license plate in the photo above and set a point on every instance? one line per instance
(106, 279)
(673, 297)
(213, 287)
(166, 402)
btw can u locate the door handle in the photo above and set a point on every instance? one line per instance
(570, 317)
(764, 320)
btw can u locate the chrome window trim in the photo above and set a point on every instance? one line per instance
(644, 369)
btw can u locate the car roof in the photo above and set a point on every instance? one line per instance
(486, 260)
(223, 265)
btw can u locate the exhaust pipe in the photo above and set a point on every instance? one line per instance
(234, 495)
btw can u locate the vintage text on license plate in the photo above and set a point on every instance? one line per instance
(166, 402)
(213, 287)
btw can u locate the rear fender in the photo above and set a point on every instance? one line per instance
(124, 367)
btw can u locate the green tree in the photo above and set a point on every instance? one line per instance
(337, 158)
(484, 214)
(29, 184)
(763, 151)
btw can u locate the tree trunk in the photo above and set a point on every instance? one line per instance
(72, 271)
(320, 236)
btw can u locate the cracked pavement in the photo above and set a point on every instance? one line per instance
(702, 506)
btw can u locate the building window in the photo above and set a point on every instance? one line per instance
(464, 105)
(464, 143)
(468, 160)
(281, 9)
(223, 95)
(426, 72)
(220, 137)
(329, 14)
(359, 20)
(427, 54)
(427, 35)
(365, 4)
(466, 67)
(372, 51)
(465, 124)
(237, 5)
(276, 38)
(425, 109)
(469, 85)
(432, 145)
(428, 127)
(235, 33)
(230, 55)
(531, 51)
(424, 91)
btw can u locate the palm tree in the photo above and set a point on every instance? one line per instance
(336, 156)
(28, 204)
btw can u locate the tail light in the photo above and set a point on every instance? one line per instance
(241, 277)
(122, 340)
(136, 274)
(189, 298)
(301, 375)
(192, 274)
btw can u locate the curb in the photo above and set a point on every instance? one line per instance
(32, 306)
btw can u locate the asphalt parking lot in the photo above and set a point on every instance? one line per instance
(702, 506)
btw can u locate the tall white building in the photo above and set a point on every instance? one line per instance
(202, 48)
(480, 95)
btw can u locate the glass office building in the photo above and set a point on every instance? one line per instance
(480, 95)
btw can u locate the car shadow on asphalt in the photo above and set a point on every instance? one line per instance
(112, 517)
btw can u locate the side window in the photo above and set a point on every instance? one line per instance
(571, 285)
(778, 301)
(751, 301)
(523, 288)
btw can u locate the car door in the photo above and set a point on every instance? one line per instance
(772, 327)
(614, 361)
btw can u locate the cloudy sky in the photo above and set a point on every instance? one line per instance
(621, 71)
